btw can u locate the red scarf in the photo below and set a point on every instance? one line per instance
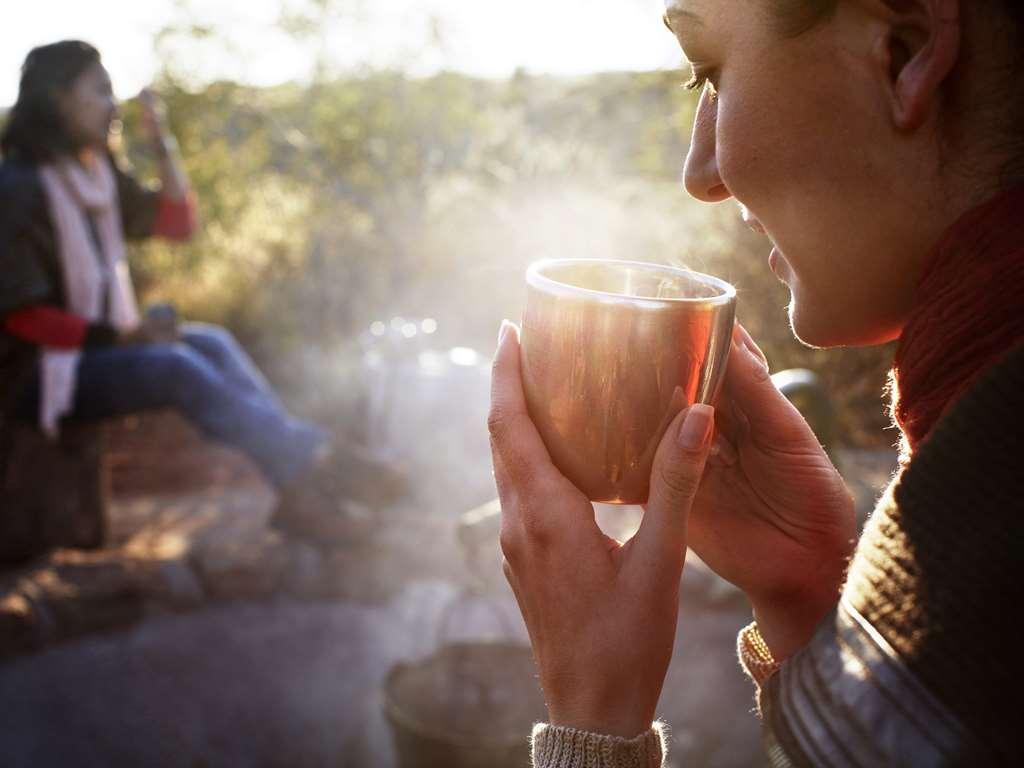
(969, 313)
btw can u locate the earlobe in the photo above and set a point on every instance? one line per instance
(923, 49)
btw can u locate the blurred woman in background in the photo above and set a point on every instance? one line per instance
(72, 342)
(878, 145)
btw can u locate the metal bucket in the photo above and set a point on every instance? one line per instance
(469, 705)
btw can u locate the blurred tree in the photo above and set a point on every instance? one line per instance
(360, 196)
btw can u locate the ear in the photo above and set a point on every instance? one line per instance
(923, 46)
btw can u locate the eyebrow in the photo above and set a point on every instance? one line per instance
(676, 19)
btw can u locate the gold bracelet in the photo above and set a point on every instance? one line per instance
(755, 655)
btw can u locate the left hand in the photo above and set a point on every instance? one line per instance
(601, 614)
(159, 325)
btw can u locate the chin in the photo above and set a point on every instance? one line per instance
(807, 334)
(824, 330)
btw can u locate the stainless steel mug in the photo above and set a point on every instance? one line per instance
(611, 352)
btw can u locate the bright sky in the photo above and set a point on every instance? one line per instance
(484, 37)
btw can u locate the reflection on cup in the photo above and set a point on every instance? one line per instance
(611, 352)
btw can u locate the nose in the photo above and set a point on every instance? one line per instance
(700, 175)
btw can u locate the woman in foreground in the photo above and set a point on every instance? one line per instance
(877, 145)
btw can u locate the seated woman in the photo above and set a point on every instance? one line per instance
(72, 343)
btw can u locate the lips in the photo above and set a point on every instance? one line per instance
(779, 266)
(756, 226)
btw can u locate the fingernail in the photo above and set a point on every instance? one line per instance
(748, 344)
(678, 401)
(722, 451)
(505, 325)
(759, 356)
(744, 349)
(697, 426)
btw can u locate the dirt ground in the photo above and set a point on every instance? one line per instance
(293, 676)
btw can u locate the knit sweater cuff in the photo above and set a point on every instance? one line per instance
(756, 659)
(755, 656)
(555, 746)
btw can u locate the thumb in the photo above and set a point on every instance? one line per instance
(675, 478)
(749, 390)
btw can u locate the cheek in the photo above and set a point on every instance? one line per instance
(99, 107)
(769, 156)
(749, 151)
(81, 112)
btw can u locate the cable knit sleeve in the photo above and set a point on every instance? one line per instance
(559, 747)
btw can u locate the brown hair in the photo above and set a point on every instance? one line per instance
(791, 18)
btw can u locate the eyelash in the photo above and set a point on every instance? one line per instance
(699, 78)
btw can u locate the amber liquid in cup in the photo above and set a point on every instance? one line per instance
(611, 352)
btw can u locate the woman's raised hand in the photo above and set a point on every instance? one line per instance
(154, 115)
(772, 516)
(601, 614)
(154, 125)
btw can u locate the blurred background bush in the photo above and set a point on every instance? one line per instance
(328, 207)
(364, 193)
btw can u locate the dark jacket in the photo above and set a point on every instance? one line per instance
(30, 264)
(920, 663)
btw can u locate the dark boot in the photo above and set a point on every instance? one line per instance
(334, 502)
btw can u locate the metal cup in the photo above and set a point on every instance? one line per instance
(611, 352)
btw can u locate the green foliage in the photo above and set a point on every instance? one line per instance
(327, 207)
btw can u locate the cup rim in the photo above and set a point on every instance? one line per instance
(535, 278)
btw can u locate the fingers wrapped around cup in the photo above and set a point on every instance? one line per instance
(611, 352)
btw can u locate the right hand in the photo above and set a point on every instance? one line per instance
(154, 115)
(772, 516)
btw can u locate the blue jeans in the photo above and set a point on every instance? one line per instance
(210, 380)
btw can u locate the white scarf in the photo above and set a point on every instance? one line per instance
(72, 193)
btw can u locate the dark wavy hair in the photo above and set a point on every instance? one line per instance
(793, 17)
(35, 131)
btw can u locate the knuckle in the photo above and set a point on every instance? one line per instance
(535, 520)
(679, 482)
(497, 423)
(527, 496)
(509, 544)
(534, 528)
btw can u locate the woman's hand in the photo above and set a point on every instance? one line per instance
(601, 615)
(772, 516)
(160, 325)
(154, 116)
(174, 180)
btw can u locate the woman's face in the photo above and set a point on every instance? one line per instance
(88, 108)
(798, 130)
